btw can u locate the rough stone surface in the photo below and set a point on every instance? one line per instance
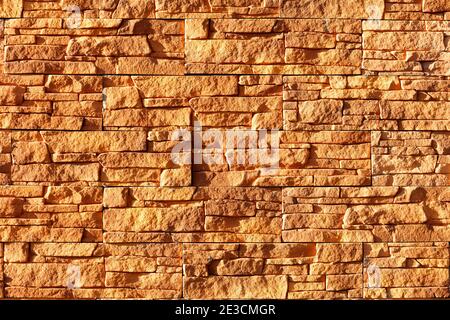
(224, 149)
(11, 8)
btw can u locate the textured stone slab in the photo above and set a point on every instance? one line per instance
(106, 46)
(357, 9)
(11, 8)
(406, 271)
(276, 271)
(124, 175)
(268, 46)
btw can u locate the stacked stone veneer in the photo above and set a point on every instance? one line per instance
(93, 205)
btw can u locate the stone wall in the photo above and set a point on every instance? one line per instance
(96, 204)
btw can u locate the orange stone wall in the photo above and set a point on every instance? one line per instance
(94, 206)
